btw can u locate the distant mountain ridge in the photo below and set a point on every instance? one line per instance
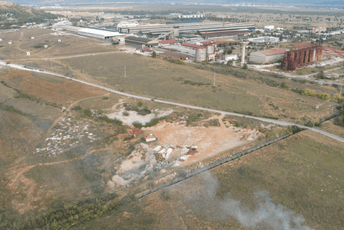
(13, 14)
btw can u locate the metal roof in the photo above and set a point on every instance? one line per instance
(100, 32)
(270, 52)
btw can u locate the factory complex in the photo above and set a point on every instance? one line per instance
(220, 42)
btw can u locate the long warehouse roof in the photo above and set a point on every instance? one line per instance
(100, 32)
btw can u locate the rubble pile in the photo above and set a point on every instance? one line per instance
(68, 133)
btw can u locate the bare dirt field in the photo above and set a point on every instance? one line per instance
(209, 140)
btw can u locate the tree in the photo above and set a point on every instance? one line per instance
(154, 54)
(230, 63)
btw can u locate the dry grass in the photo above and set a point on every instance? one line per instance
(302, 173)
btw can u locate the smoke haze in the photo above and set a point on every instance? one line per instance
(266, 212)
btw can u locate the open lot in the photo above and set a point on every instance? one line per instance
(70, 44)
(213, 200)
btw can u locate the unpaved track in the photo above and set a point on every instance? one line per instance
(277, 122)
(63, 57)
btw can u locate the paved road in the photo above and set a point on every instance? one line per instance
(278, 122)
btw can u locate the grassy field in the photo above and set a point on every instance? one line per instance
(69, 45)
(302, 173)
(237, 90)
(328, 126)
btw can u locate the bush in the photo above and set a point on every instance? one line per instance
(245, 66)
(175, 61)
(125, 113)
(339, 121)
(309, 92)
(154, 54)
(77, 107)
(140, 103)
(137, 125)
(88, 113)
(284, 86)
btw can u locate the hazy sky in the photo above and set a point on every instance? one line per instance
(50, 2)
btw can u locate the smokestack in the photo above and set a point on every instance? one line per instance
(244, 44)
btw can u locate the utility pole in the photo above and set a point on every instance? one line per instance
(214, 77)
(125, 71)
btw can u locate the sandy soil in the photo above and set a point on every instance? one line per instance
(209, 140)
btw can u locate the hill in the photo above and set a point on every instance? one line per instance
(15, 14)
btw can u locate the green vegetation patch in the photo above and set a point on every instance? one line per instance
(309, 92)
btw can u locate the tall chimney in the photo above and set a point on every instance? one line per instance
(243, 53)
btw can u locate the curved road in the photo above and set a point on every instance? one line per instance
(283, 123)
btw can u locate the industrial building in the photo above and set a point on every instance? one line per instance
(267, 56)
(62, 23)
(139, 42)
(301, 57)
(96, 33)
(263, 40)
(186, 30)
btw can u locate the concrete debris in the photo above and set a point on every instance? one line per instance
(132, 116)
(69, 133)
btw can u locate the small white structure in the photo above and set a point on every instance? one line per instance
(59, 40)
(32, 38)
(10, 43)
(151, 137)
(0, 39)
(45, 46)
(28, 54)
(269, 28)
(231, 57)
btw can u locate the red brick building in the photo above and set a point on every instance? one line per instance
(301, 57)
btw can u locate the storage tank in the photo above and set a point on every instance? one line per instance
(201, 54)
(210, 49)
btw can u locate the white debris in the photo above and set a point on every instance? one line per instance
(157, 149)
(185, 157)
(169, 152)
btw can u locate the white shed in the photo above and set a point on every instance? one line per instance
(151, 137)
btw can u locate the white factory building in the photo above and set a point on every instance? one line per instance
(62, 23)
(102, 34)
(264, 39)
(267, 56)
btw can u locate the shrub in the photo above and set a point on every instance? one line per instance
(77, 107)
(284, 86)
(175, 61)
(245, 66)
(125, 113)
(88, 113)
(309, 92)
(139, 104)
(154, 54)
(137, 125)
(339, 121)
